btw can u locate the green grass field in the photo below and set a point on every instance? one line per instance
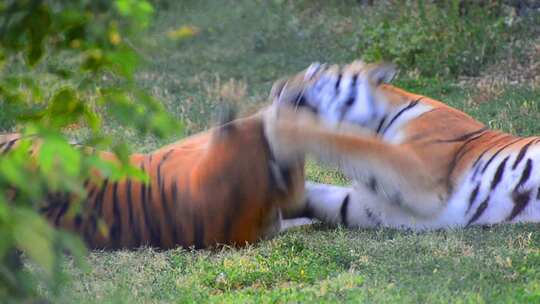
(243, 46)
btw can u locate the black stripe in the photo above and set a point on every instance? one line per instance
(472, 198)
(458, 156)
(169, 216)
(460, 153)
(372, 184)
(338, 82)
(116, 227)
(144, 207)
(379, 127)
(145, 190)
(411, 105)
(131, 223)
(53, 205)
(198, 232)
(372, 217)
(89, 217)
(521, 154)
(61, 213)
(99, 198)
(521, 199)
(78, 221)
(44, 209)
(343, 210)
(236, 196)
(9, 145)
(178, 231)
(397, 199)
(481, 208)
(499, 173)
(90, 231)
(163, 199)
(497, 153)
(286, 175)
(489, 149)
(226, 128)
(476, 171)
(161, 162)
(352, 96)
(354, 80)
(348, 104)
(91, 193)
(464, 137)
(301, 102)
(525, 174)
(154, 230)
(538, 194)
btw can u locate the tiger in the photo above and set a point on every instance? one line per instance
(223, 186)
(414, 162)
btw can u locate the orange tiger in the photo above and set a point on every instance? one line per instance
(416, 163)
(222, 186)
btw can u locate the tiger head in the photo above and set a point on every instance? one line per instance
(348, 93)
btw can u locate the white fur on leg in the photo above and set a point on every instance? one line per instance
(342, 205)
(324, 202)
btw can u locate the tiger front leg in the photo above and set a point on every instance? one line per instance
(399, 175)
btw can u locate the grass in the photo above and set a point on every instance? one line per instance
(254, 43)
(327, 265)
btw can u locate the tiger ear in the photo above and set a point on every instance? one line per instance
(277, 88)
(225, 115)
(382, 73)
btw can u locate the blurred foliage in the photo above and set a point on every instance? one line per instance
(464, 36)
(64, 64)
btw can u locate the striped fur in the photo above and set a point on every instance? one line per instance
(415, 162)
(223, 186)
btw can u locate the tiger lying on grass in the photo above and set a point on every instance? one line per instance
(415, 162)
(223, 186)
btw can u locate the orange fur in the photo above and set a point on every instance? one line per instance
(216, 187)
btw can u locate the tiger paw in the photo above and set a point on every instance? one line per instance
(286, 130)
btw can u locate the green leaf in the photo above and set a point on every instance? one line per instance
(139, 10)
(124, 62)
(74, 245)
(106, 168)
(65, 108)
(56, 153)
(35, 237)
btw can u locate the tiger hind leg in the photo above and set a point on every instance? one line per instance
(334, 205)
(337, 205)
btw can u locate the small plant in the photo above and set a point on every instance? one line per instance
(438, 39)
